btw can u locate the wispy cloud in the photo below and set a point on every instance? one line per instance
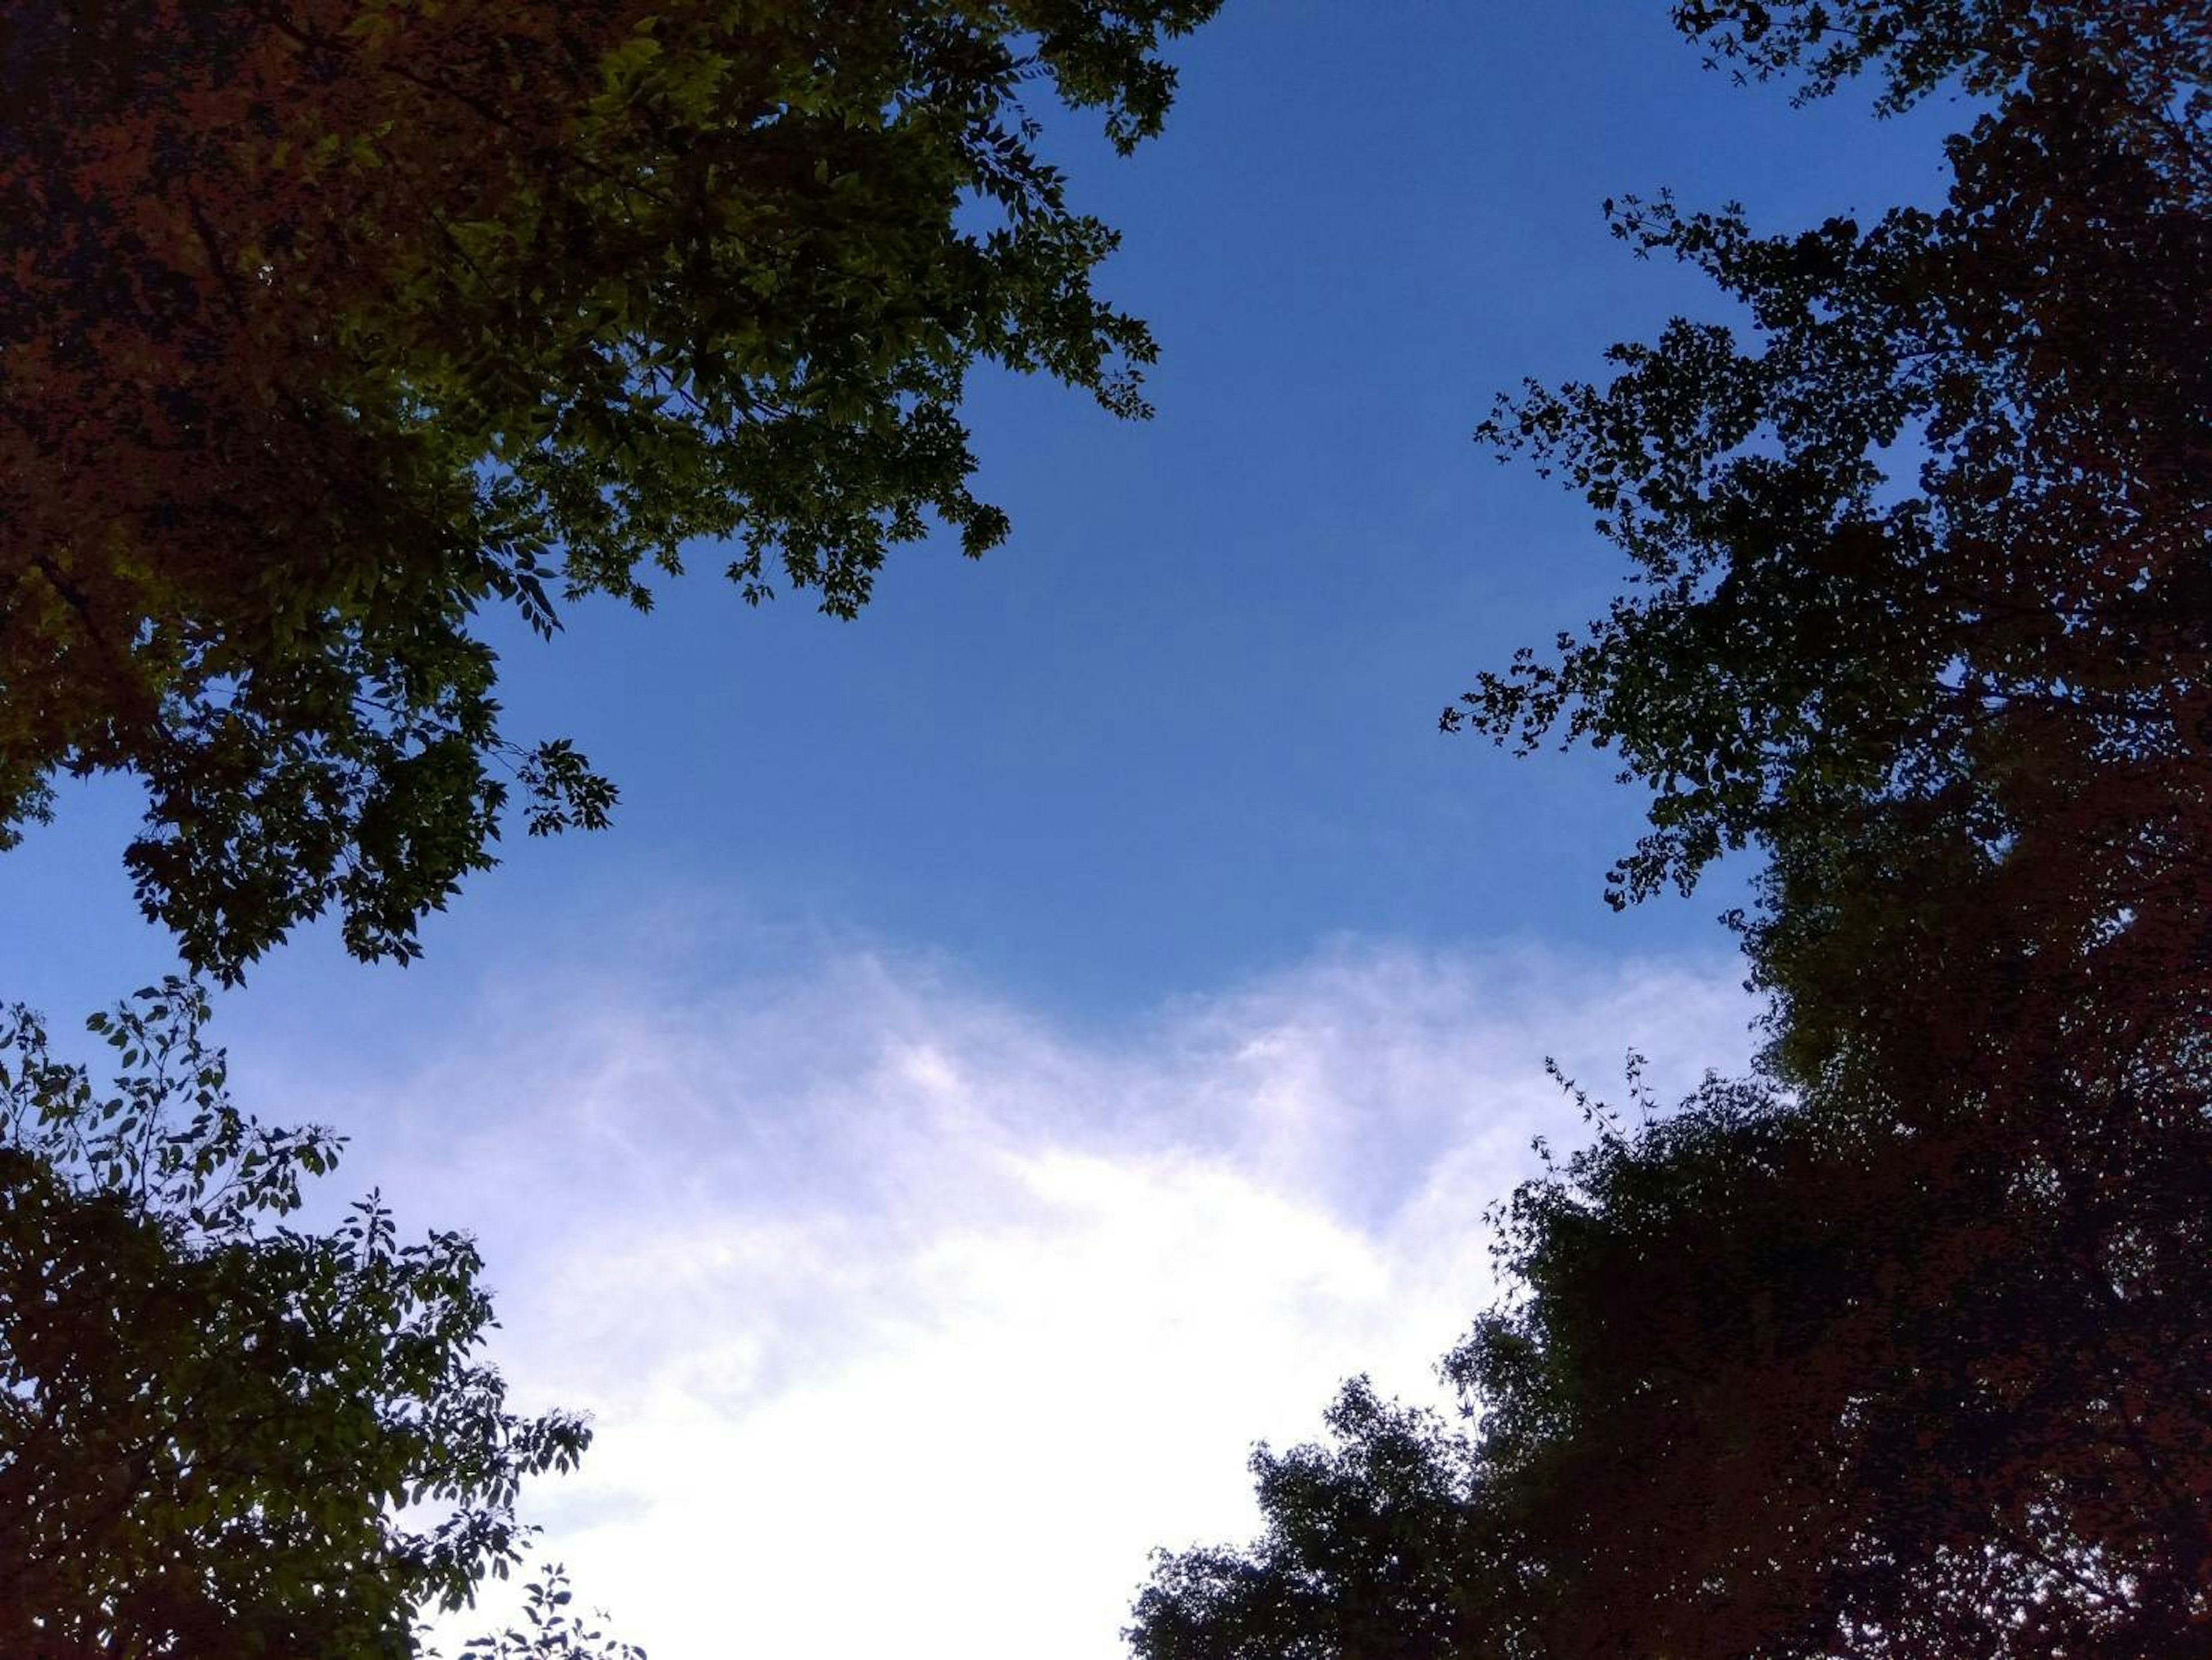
(911, 1320)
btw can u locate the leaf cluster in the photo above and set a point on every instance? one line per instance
(219, 1433)
(549, 1629)
(1896, 1346)
(1919, 601)
(327, 326)
(1792, 1376)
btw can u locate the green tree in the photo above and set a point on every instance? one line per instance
(1896, 1348)
(219, 1434)
(1369, 1548)
(326, 325)
(1787, 1377)
(1921, 606)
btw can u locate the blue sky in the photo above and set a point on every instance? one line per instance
(1112, 890)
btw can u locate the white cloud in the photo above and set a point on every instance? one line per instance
(910, 1321)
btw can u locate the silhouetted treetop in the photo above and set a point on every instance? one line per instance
(222, 1433)
(1918, 550)
(1914, 47)
(1896, 1348)
(1838, 1377)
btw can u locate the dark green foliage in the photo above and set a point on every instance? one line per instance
(1913, 46)
(1921, 605)
(1900, 1348)
(1846, 1377)
(1367, 1551)
(209, 1421)
(553, 1631)
(1788, 1378)
(326, 324)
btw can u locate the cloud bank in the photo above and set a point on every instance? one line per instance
(911, 1319)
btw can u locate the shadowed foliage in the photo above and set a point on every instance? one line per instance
(326, 324)
(221, 1434)
(1788, 1376)
(1922, 605)
(1900, 1348)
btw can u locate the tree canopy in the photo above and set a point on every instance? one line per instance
(326, 324)
(220, 1434)
(1919, 562)
(1896, 1347)
(1785, 1378)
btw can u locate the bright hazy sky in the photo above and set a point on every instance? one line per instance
(1018, 1049)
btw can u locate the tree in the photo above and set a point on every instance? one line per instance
(554, 1632)
(1786, 1377)
(1367, 1550)
(1922, 608)
(1897, 1347)
(326, 324)
(219, 1436)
